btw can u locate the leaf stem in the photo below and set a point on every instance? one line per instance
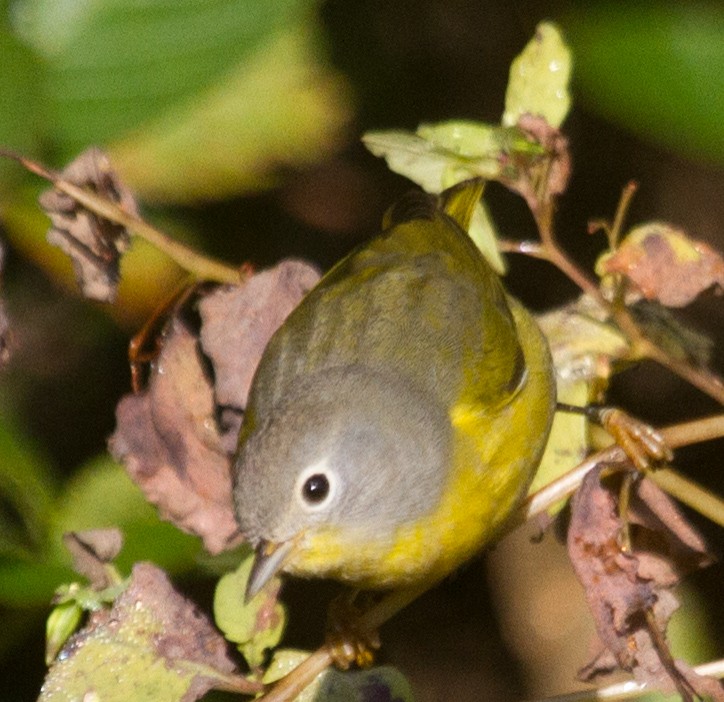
(629, 689)
(201, 266)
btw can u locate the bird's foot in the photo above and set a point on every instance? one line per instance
(644, 446)
(348, 641)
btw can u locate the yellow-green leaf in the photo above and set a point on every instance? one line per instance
(62, 622)
(255, 626)
(153, 646)
(585, 349)
(539, 78)
(280, 106)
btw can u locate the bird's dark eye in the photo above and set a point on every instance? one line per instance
(315, 488)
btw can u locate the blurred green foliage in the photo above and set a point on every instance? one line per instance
(654, 68)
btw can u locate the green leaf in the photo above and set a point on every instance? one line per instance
(114, 65)
(585, 350)
(192, 100)
(27, 484)
(284, 661)
(655, 68)
(539, 78)
(21, 106)
(236, 135)
(62, 623)
(411, 156)
(153, 645)
(255, 626)
(485, 235)
(442, 155)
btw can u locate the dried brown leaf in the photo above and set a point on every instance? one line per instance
(170, 444)
(152, 645)
(237, 323)
(629, 593)
(177, 438)
(665, 264)
(668, 546)
(94, 244)
(91, 550)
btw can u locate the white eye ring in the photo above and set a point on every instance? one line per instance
(316, 486)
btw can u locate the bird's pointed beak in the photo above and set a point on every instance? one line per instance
(268, 560)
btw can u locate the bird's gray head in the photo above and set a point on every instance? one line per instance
(348, 447)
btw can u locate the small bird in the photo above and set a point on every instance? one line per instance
(398, 415)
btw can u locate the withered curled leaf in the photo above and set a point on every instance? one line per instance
(629, 592)
(237, 322)
(167, 438)
(94, 244)
(177, 438)
(91, 550)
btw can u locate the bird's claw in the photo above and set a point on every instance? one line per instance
(643, 445)
(348, 642)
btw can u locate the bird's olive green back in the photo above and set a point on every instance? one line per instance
(419, 302)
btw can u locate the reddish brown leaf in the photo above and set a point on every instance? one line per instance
(186, 633)
(94, 244)
(629, 593)
(668, 546)
(169, 442)
(91, 550)
(177, 438)
(665, 264)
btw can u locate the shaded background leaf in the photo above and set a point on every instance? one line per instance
(170, 56)
(652, 67)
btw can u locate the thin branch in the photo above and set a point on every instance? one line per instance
(675, 436)
(630, 688)
(292, 684)
(705, 502)
(203, 267)
(642, 347)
